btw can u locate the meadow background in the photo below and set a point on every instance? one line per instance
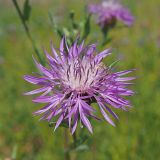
(137, 135)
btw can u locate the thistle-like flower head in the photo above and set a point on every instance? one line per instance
(109, 12)
(75, 78)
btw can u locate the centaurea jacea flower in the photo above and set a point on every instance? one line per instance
(75, 78)
(109, 12)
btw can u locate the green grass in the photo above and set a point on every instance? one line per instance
(136, 136)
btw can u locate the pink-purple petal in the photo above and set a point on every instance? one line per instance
(59, 121)
(109, 120)
(36, 91)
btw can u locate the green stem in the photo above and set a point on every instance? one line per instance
(66, 145)
(74, 139)
(75, 145)
(27, 30)
(105, 36)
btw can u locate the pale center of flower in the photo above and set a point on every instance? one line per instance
(82, 75)
(110, 4)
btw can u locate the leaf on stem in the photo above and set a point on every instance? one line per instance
(86, 27)
(82, 148)
(26, 10)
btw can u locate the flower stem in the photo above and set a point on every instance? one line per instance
(66, 145)
(21, 16)
(74, 136)
(74, 139)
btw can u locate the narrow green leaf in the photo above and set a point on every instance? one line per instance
(86, 27)
(26, 10)
(73, 22)
(82, 148)
(58, 30)
(52, 124)
(63, 124)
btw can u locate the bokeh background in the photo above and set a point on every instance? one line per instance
(137, 135)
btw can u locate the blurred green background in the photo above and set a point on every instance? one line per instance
(137, 135)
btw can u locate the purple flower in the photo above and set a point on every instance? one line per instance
(109, 12)
(74, 79)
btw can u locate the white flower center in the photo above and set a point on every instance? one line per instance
(110, 4)
(80, 76)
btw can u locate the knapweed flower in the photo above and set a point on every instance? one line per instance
(75, 78)
(109, 12)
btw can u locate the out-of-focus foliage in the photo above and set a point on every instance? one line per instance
(136, 136)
